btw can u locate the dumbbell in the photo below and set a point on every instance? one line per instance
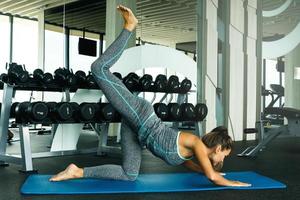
(160, 83)
(185, 85)
(173, 84)
(118, 75)
(60, 112)
(87, 112)
(40, 76)
(80, 77)
(188, 112)
(174, 112)
(131, 81)
(106, 112)
(64, 77)
(161, 111)
(17, 74)
(201, 111)
(90, 81)
(30, 112)
(146, 82)
(4, 78)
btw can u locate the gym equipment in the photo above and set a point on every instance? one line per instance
(146, 82)
(145, 183)
(3, 78)
(161, 111)
(29, 112)
(265, 137)
(160, 83)
(131, 81)
(42, 77)
(90, 81)
(105, 112)
(185, 85)
(201, 111)
(276, 93)
(16, 73)
(173, 84)
(188, 112)
(118, 75)
(64, 77)
(174, 111)
(80, 78)
(87, 111)
(59, 112)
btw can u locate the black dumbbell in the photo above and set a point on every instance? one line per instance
(174, 112)
(90, 81)
(4, 78)
(161, 111)
(160, 83)
(60, 112)
(131, 81)
(80, 77)
(185, 85)
(40, 76)
(17, 74)
(201, 111)
(29, 112)
(173, 84)
(87, 111)
(146, 82)
(106, 113)
(188, 112)
(64, 77)
(118, 75)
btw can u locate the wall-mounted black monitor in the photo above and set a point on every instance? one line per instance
(87, 47)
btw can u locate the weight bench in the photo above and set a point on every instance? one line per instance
(291, 128)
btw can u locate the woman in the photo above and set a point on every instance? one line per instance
(141, 127)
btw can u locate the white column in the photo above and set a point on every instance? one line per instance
(207, 54)
(234, 108)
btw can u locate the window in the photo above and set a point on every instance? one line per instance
(4, 41)
(25, 43)
(25, 51)
(54, 48)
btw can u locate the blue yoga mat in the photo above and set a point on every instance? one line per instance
(177, 182)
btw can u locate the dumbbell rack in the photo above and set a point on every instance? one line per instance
(25, 159)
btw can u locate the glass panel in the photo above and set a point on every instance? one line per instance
(4, 41)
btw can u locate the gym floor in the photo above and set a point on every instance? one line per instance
(280, 161)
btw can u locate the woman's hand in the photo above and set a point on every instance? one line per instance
(239, 184)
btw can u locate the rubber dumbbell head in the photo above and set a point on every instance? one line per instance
(61, 111)
(161, 111)
(160, 83)
(173, 84)
(174, 111)
(188, 111)
(118, 75)
(146, 82)
(87, 111)
(201, 111)
(131, 81)
(185, 85)
(80, 77)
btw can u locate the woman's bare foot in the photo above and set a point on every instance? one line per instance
(71, 172)
(129, 18)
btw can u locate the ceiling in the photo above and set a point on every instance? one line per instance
(160, 21)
